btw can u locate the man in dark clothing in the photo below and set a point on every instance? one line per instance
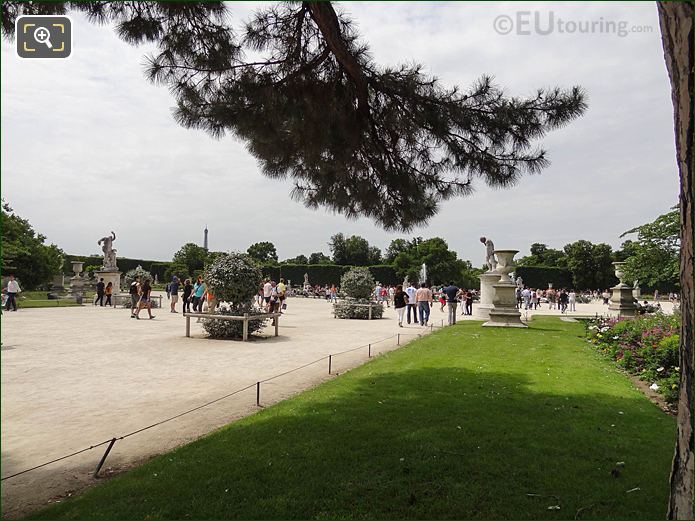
(100, 293)
(451, 293)
(469, 302)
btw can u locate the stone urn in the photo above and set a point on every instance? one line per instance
(505, 265)
(77, 267)
(618, 267)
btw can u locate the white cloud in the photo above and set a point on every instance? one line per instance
(88, 145)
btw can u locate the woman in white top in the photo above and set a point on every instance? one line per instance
(572, 300)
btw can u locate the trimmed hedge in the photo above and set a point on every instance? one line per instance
(539, 276)
(320, 274)
(324, 274)
(124, 264)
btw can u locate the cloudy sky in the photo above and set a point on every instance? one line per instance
(88, 145)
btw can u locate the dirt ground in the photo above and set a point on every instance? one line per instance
(77, 376)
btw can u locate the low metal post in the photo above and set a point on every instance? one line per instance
(370, 311)
(369, 353)
(431, 327)
(258, 394)
(103, 458)
(277, 325)
(398, 341)
(188, 326)
(330, 361)
(245, 335)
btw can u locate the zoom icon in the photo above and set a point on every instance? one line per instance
(43, 36)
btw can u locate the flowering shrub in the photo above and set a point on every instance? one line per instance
(138, 272)
(357, 284)
(233, 279)
(217, 328)
(646, 346)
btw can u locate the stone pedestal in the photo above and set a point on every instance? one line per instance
(504, 312)
(110, 276)
(487, 295)
(621, 298)
(622, 301)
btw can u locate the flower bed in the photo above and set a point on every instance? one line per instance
(646, 346)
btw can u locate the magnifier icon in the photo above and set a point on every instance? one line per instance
(43, 35)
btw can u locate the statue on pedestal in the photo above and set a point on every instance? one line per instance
(109, 252)
(490, 259)
(520, 283)
(306, 280)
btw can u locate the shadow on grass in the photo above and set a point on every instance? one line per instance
(425, 443)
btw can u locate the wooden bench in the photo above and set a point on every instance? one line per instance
(347, 303)
(245, 318)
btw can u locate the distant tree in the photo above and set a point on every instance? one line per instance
(353, 251)
(591, 264)
(654, 258)
(443, 264)
(24, 252)
(192, 256)
(263, 252)
(299, 259)
(179, 269)
(541, 255)
(299, 86)
(319, 258)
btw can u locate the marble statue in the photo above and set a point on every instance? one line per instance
(490, 259)
(306, 279)
(109, 251)
(520, 283)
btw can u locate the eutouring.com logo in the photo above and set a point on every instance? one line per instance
(526, 23)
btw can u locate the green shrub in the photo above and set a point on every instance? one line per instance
(350, 310)
(234, 280)
(137, 272)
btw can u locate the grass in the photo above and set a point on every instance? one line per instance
(469, 422)
(38, 299)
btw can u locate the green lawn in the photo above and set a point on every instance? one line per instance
(38, 299)
(469, 422)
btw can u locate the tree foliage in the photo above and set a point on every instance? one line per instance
(353, 250)
(541, 255)
(591, 264)
(654, 257)
(298, 84)
(24, 252)
(193, 256)
(357, 283)
(263, 252)
(319, 258)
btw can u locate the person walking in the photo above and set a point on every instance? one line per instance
(451, 293)
(562, 301)
(424, 300)
(100, 293)
(400, 301)
(469, 302)
(412, 304)
(526, 295)
(145, 300)
(572, 299)
(108, 291)
(187, 292)
(134, 295)
(551, 298)
(174, 292)
(267, 290)
(12, 290)
(534, 299)
(282, 294)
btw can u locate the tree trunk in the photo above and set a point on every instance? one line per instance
(676, 21)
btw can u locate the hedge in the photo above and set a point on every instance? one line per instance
(540, 276)
(324, 274)
(124, 264)
(321, 274)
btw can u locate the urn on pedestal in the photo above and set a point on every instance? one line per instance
(504, 312)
